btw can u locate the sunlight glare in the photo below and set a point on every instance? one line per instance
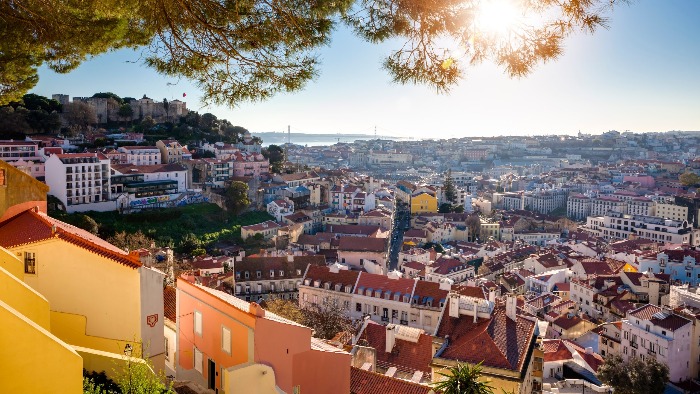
(496, 17)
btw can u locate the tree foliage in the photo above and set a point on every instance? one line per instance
(689, 179)
(80, 114)
(131, 241)
(133, 375)
(463, 378)
(326, 320)
(249, 50)
(449, 189)
(275, 154)
(237, 197)
(635, 376)
(473, 223)
(88, 224)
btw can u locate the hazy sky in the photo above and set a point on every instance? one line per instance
(639, 75)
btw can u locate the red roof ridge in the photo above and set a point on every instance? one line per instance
(61, 229)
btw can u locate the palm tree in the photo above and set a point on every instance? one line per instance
(463, 379)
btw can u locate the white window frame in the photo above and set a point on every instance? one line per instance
(197, 322)
(226, 340)
(198, 366)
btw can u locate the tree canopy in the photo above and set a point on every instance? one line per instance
(236, 195)
(249, 50)
(635, 376)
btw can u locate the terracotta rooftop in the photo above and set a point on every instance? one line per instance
(366, 382)
(498, 342)
(429, 291)
(362, 244)
(444, 266)
(30, 227)
(415, 356)
(567, 322)
(384, 285)
(659, 317)
(170, 303)
(555, 350)
(270, 267)
(324, 274)
(353, 229)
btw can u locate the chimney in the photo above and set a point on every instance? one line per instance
(290, 258)
(454, 304)
(589, 350)
(446, 284)
(255, 309)
(492, 295)
(390, 337)
(511, 307)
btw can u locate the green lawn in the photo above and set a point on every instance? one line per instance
(207, 221)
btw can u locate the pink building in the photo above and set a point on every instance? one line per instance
(234, 346)
(643, 180)
(650, 331)
(249, 164)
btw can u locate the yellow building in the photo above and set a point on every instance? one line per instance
(40, 362)
(101, 298)
(424, 203)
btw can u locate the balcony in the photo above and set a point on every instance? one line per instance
(634, 345)
(385, 318)
(404, 322)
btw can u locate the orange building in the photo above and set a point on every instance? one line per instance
(233, 346)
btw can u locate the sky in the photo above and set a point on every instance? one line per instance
(640, 75)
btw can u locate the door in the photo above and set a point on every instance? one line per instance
(211, 374)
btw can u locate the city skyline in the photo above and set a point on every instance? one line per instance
(637, 75)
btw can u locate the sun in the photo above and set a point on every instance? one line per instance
(496, 17)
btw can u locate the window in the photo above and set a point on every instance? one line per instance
(226, 340)
(29, 263)
(198, 323)
(258, 274)
(197, 360)
(2, 178)
(272, 273)
(247, 275)
(167, 350)
(358, 307)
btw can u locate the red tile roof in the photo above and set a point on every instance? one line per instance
(444, 266)
(469, 291)
(324, 274)
(566, 322)
(362, 244)
(429, 290)
(555, 350)
(385, 284)
(498, 342)
(365, 382)
(265, 264)
(30, 227)
(354, 229)
(594, 360)
(170, 303)
(413, 356)
(665, 320)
